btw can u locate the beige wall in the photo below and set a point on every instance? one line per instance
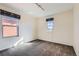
(28, 27)
(63, 28)
(76, 28)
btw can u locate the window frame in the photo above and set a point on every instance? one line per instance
(17, 28)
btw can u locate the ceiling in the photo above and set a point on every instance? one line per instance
(49, 8)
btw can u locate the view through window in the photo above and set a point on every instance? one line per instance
(10, 26)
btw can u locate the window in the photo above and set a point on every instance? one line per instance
(10, 26)
(50, 25)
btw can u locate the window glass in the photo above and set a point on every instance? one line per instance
(9, 31)
(9, 22)
(10, 26)
(50, 25)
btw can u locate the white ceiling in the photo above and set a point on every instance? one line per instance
(33, 9)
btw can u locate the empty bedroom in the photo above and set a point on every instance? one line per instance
(39, 29)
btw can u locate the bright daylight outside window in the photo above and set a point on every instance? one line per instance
(10, 26)
(50, 25)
